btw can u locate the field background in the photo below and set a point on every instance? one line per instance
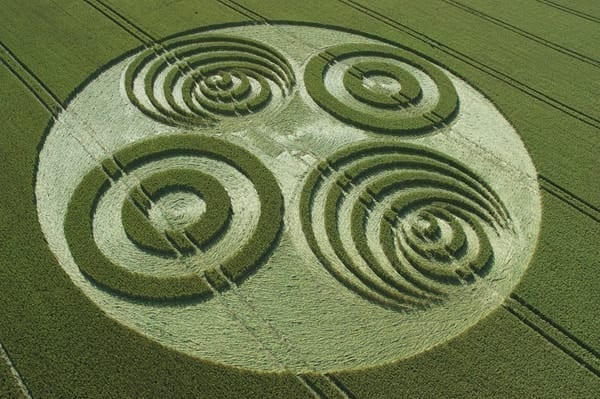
(537, 60)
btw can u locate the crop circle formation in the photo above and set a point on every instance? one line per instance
(287, 197)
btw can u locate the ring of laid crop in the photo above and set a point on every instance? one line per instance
(99, 268)
(200, 80)
(402, 223)
(381, 112)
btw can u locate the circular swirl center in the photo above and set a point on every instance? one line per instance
(382, 84)
(176, 210)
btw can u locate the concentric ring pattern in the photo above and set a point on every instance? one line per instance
(175, 241)
(198, 80)
(400, 224)
(381, 88)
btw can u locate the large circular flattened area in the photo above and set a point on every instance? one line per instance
(288, 197)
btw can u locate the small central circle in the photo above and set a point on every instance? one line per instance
(176, 210)
(214, 79)
(422, 224)
(381, 84)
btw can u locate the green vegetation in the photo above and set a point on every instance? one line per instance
(180, 241)
(140, 199)
(359, 217)
(322, 386)
(163, 114)
(313, 182)
(499, 340)
(215, 219)
(239, 264)
(140, 230)
(216, 89)
(216, 280)
(564, 264)
(332, 204)
(110, 167)
(200, 233)
(387, 238)
(365, 158)
(9, 386)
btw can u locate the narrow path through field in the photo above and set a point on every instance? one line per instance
(570, 10)
(528, 35)
(23, 388)
(558, 336)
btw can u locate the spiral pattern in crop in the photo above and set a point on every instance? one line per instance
(197, 80)
(400, 224)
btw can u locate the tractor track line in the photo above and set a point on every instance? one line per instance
(571, 11)
(538, 39)
(552, 332)
(15, 373)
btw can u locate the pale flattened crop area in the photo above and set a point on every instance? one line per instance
(305, 306)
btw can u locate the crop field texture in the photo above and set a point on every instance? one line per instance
(326, 199)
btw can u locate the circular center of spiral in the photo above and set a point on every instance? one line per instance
(176, 210)
(382, 84)
(423, 226)
(214, 80)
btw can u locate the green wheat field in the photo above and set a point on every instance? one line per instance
(313, 199)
